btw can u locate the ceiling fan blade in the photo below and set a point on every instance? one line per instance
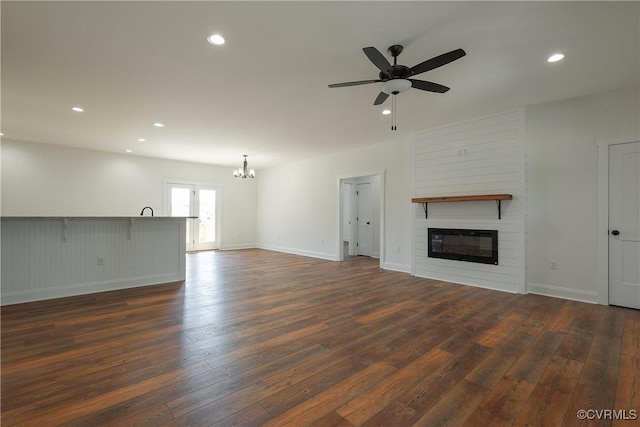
(378, 59)
(361, 82)
(381, 98)
(438, 61)
(428, 86)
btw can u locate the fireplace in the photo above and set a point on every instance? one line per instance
(463, 245)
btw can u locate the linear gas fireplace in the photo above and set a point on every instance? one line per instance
(463, 245)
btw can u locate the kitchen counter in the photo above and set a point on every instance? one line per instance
(59, 256)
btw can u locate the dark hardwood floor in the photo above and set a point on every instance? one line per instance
(262, 338)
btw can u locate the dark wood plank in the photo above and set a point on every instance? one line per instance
(628, 391)
(455, 407)
(263, 338)
(367, 404)
(503, 403)
(549, 400)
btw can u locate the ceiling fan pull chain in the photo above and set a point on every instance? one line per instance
(393, 111)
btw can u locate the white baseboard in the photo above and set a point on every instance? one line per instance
(241, 246)
(397, 267)
(312, 254)
(562, 292)
(459, 281)
(87, 288)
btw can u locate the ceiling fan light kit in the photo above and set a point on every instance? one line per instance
(395, 86)
(397, 78)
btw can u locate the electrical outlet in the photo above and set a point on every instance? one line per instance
(397, 248)
(100, 261)
(554, 264)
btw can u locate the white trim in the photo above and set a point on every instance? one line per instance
(521, 284)
(464, 282)
(89, 288)
(301, 252)
(381, 193)
(166, 209)
(402, 268)
(239, 246)
(167, 181)
(414, 206)
(339, 256)
(603, 214)
(562, 292)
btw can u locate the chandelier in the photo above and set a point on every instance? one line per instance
(244, 171)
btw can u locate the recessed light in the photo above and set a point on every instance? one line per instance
(555, 57)
(141, 140)
(77, 109)
(158, 125)
(216, 39)
(385, 112)
(129, 151)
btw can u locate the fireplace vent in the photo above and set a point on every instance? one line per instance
(463, 245)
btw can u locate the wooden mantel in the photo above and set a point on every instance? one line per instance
(472, 198)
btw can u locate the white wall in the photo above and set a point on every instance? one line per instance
(298, 204)
(480, 156)
(48, 180)
(562, 182)
(294, 208)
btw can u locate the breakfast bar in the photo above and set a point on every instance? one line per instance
(52, 257)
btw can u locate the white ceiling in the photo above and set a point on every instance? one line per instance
(264, 93)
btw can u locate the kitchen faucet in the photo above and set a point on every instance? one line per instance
(146, 207)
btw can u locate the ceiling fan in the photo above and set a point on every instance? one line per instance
(397, 78)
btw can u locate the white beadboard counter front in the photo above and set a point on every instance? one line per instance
(59, 256)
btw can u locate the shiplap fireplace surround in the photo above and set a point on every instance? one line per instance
(485, 156)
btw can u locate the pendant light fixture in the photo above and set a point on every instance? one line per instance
(244, 171)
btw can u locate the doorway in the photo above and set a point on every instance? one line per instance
(199, 201)
(361, 217)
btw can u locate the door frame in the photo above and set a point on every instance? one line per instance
(603, 213)
(380, 207)
(166, 211)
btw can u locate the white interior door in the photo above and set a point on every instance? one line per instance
(197, 201)
(347, 230)
(364, 219)
(624, 225)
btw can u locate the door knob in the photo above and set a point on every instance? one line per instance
(615, 232)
